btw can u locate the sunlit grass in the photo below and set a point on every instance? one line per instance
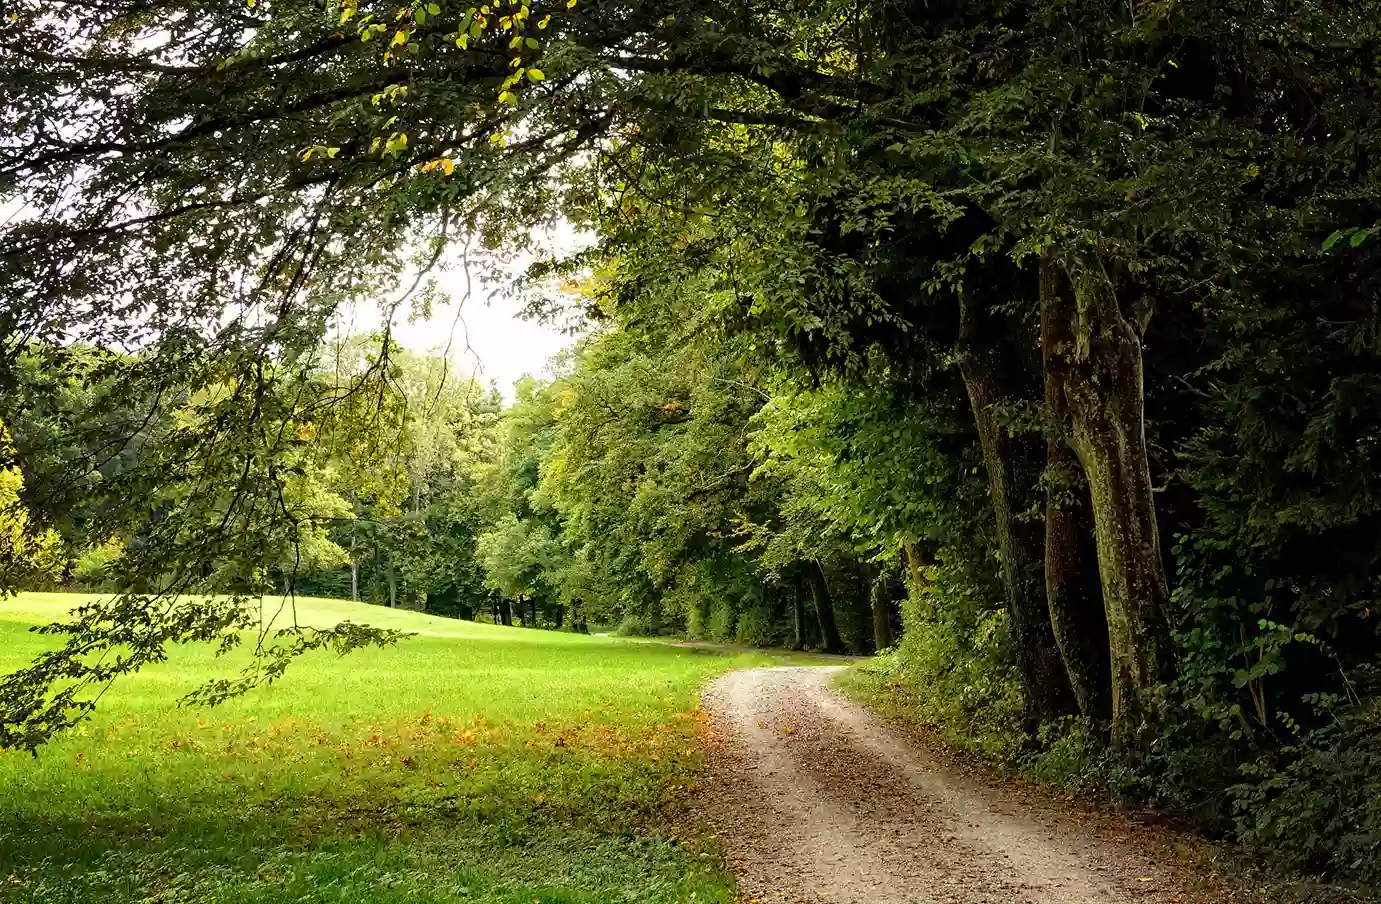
(471, 762)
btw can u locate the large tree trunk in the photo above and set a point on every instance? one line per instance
(1072, 587)
(506, 612)
(1096, 354)
(1001, 375)
(824, 608)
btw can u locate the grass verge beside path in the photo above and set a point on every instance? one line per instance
(471, 763)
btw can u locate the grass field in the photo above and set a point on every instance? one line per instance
(470, 763)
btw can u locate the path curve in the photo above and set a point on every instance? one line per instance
(817, 802)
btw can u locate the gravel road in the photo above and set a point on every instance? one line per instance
(815, 800)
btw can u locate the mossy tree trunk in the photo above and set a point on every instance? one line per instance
(1001, 374)
(1095, 353)
(1072, 586)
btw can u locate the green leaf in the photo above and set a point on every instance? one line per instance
(536, 75)
(1335, 238)
(531, 42)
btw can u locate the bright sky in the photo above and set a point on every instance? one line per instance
(487, 336)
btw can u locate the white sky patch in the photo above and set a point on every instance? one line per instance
(489, 338)
(482, 332)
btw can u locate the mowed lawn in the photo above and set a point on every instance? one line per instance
(469, 763)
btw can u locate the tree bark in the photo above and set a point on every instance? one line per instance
(1001, 374)
(560, 617)
(391, 576)
(1072, 586)
(824, 608)
(798, 620)
(506, 612)
(1096, 355)
(882, 614)
(918, 558)
(532, 610)
(354, 569)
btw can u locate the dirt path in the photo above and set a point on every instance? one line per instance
(815, 800)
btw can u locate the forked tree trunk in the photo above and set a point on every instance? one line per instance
(1099, 363)
(824, 608)
(1072, 587)
(1001, 374)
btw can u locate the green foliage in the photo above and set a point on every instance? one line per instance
(93, 569)
(800, 213)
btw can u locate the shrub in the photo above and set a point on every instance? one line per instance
(92, 569)
(759, 626)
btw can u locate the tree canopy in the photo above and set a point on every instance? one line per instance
(1056, 320)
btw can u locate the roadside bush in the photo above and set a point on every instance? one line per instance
(1315, 807)
(954, 663)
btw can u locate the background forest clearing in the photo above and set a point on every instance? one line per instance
(470, 762)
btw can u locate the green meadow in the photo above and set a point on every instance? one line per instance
(469, 763)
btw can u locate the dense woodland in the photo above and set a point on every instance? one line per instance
(1037, 341)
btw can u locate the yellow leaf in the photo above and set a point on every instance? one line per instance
(536, 74)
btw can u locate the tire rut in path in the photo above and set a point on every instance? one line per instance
(817, 802)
